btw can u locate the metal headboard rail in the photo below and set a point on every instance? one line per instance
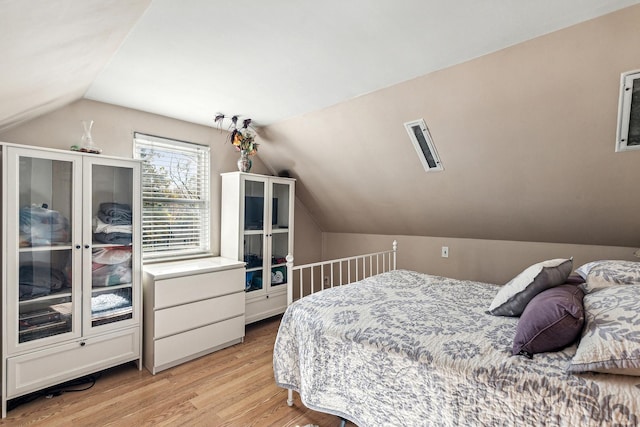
(338, 272)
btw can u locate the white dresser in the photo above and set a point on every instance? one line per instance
(191, 308)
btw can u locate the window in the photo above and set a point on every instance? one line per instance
(175, 197)
(628, 135)
(421, 139)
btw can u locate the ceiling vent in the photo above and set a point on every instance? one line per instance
(421, 139)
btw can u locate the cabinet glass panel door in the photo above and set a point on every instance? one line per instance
(111, 248)
(254, 215)
(253, 205)
(45, 255)
(254, 258)
(279, 233)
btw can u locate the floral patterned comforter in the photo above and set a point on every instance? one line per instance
(408, 349)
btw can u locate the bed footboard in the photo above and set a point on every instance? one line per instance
(317, 276)
(310, 278)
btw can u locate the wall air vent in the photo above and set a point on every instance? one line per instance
(421, 139)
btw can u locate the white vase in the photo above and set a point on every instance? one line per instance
(244, 163)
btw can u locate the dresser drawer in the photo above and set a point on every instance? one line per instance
(198, 341)
(52, 366)
(181, 318)
(185, 289)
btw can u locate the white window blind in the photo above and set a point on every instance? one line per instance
(175, 197)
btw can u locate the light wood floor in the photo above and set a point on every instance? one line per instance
(232, 387)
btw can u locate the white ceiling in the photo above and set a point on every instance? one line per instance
(269, 60)
(52, 50)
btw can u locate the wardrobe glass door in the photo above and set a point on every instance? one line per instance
(280, 236)
(42, 225)
(111, 274)
(253, 231)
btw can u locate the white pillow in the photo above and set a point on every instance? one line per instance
(610, 340)
(584, 269)
(513, 297)
(603, 274)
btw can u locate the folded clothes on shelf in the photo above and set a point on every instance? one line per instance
(37, 280)
(115, 213)
(113, 238)
(102, 227)
(112, 224)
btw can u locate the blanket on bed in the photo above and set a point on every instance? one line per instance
(408, 349)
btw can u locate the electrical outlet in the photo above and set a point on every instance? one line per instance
(445, 252)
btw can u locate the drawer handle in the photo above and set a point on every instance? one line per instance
(82, 344)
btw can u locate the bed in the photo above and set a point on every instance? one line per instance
(402, 348)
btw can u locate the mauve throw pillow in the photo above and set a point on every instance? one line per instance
(552, 320)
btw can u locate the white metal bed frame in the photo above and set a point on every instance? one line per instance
(356, 268)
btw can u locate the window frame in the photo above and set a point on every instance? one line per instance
(202, 153)
(629, 83)
(426, 150)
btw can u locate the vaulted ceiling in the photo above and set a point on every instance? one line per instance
(520, 100)
(269, 60)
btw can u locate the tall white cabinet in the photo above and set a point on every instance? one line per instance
(257, 228)
(71, 266)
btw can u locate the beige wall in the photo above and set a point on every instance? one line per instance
(113, 132)
(493, 261)
(526, 136)
(308, 237)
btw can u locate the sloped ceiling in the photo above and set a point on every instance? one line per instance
(51, 51)
(330, 84)
(269, 60)
(277, 59)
